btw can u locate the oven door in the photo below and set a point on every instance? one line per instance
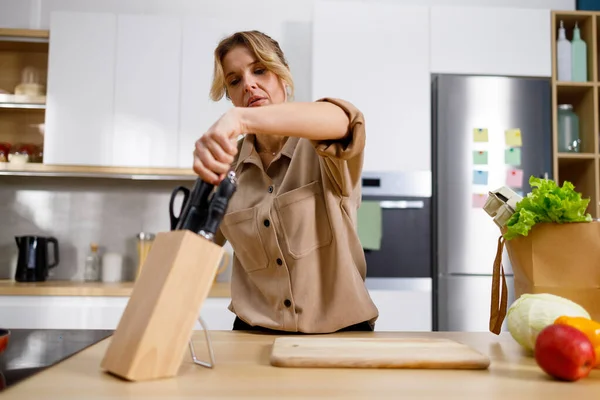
(405, 250)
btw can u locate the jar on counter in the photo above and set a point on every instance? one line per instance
(91, 272)
(568, 130)
(144, 243)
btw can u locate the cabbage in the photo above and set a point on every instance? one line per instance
(531, 313)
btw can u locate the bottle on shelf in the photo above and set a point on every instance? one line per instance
(91, 272)
(563, 55)
(578, 57)
(568, 130)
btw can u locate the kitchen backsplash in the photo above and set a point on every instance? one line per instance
(79, 211)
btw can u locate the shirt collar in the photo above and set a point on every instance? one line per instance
(248, 152)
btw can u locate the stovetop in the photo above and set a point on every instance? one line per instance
(30, 351)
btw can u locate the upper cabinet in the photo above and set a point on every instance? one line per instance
(491, 41)
(147, 79)
(113, 90)
(377, 57)
(80, 97)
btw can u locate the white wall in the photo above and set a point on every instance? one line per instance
(35, 13)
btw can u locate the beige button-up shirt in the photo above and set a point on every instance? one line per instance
(298, 263)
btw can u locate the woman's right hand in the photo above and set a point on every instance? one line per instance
(215, 149)
(213, 156)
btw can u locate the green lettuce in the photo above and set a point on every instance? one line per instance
(547, 202)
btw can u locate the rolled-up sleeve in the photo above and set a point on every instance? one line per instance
(343, 158)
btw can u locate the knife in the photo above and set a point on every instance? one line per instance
(201, 213)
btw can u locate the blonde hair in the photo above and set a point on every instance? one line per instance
(265, 49)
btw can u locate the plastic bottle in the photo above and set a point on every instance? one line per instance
(578, 57)
(563, 55)
(91, 272)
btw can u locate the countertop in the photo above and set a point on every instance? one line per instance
(73, 288)
(242, 370)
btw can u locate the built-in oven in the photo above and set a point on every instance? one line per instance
(399, 272)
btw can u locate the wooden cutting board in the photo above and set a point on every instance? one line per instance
(417, 353)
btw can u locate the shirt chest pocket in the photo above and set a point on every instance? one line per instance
(241, 230)
(304, 219)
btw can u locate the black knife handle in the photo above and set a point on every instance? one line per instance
(218, 206)
(194, 214)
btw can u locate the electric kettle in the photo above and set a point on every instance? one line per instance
(33, 262)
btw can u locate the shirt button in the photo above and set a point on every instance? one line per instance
(270, 189)
(279, 261)
(267, 223)
(287, 303)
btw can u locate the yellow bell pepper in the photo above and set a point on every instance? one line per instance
(589, 327)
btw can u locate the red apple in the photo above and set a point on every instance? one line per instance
(564, 352)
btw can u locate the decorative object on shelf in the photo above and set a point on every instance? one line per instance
(578, 57)
(4, 151)
(568, 130)
(30, 83)
(563, 51)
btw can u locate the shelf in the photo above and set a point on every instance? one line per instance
(73, 288)
(13, 101)
(24, 34)
(581, 97)
(76, 171)
(582, 174)
(586, 22)
(567, 159)
(565, 84)
(23, 106)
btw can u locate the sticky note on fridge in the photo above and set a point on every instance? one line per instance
(480, 177)
(514, 178)
(480, 157)
(479, 200)
(513, 137)
(480, 135)
(512, 156)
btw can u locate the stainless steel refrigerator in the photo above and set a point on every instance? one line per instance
(488, 132)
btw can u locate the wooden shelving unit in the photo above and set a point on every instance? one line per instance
(581, 169)
(22, 117)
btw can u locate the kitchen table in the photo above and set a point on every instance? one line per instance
(242, 370)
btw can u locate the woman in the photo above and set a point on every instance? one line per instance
(298, 263)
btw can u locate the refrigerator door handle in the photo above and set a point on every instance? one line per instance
(401, 204)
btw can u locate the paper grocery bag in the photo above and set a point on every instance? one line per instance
(560, 259)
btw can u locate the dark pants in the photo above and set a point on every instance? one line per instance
(239, 325)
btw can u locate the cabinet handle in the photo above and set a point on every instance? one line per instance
(401, 204)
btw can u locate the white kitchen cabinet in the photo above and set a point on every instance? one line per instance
(93, 312)
(200, 38)
(491, 41)
(147, 87)
(403, 310)
(376, 55)
(80, 93)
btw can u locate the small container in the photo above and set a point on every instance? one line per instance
(563, 54)
(91, 272)
(568, 130)
(579, 71)
(144, 243)
(112, 267)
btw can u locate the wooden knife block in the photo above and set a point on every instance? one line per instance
(156, 326)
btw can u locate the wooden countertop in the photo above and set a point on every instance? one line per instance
(242, 370)
(70, 288)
